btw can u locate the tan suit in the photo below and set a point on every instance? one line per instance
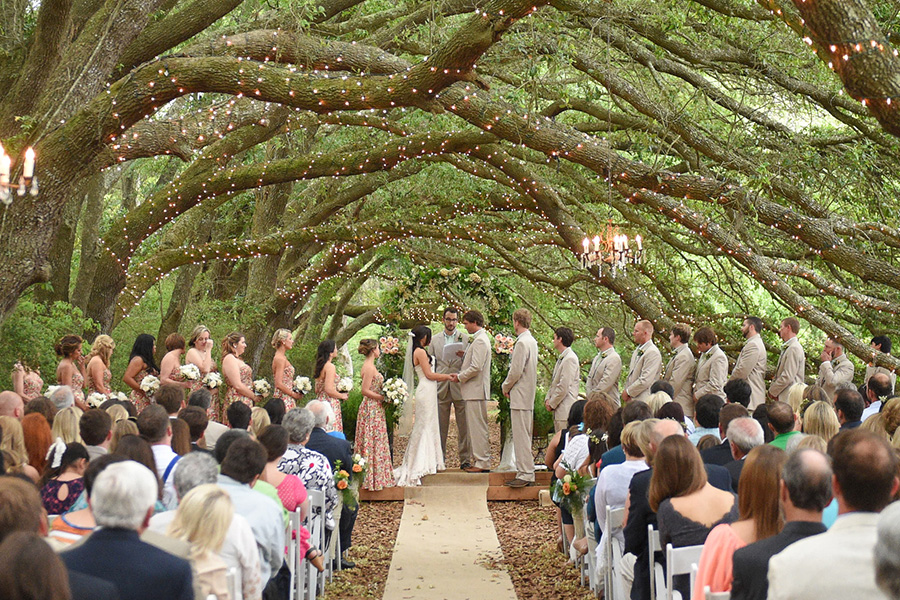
(832, 372)
(563, 391)
(521, 385)
(712, 373)
(791, 369)
(751, 365)
(871, 370)
(603, 378)
(449, 394)
(643, 371)
(475, 386)
(680, 373)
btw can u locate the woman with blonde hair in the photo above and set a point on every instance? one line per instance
(237, 374)
(795, 396)
(821, 420)
(200, 354)
(70, 370)
(120, 430)
(202, 519)
(875, 424)
(13, 446)
(259, 420)
(117, 413)
(283, 370)
(98, 375)
(656, 401)
(65, 424)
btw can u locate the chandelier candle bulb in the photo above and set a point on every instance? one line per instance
(28, 169)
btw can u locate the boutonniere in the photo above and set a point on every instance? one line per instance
(640, 352)
(471, 338)
(604, 354)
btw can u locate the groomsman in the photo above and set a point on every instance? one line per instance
(449, 395)
(836, 368)
(603, 378)
(475, 386)
(881, 343)
(751, 364)
(680, 370)
(563, 390)
(791, 367)
(519, 386)
(712, 366)
(645, 366)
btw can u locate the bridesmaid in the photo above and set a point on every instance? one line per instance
(283, 370)
(326, 381)
(27, 382)
(70, 371)
(371, 429)
(98, 373)
(200, 354)
(170, 365)
(140, 364)
(237, 374)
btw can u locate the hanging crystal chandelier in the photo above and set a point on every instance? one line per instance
(612, 250)
(27, 181)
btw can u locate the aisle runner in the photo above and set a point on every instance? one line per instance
(447, 544)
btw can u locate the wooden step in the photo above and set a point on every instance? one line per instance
(496, 490)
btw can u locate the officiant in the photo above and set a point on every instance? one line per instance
(448, 347)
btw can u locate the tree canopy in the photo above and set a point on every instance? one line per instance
(303, 162)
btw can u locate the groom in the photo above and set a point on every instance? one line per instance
(475, 386)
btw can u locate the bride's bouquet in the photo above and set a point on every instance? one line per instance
(96, 399)
(189, 372)
(150, 384)
(261, 387)
(212, 380)
(302, 385)
(345, 384)
(395, 391)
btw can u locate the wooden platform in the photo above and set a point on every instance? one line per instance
(496, 491)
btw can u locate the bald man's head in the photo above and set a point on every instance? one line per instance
(11, 405)
(661, 430)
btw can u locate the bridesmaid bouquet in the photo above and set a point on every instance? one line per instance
(261, 387)
(345, 384)
(212, 380)
(395, 391)
(120, 396)
(150, 384)
(51, 389)
(503, 344)
(96, 399)
(302, 385)
(190, 372)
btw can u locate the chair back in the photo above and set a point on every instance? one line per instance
(613, 584)
(653, 546)
(679, 561)
(715, 595)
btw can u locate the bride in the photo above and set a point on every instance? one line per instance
(423, 453)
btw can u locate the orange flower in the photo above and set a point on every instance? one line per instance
(344, 473)
(357, 469)
(342, 485)
(566, 489)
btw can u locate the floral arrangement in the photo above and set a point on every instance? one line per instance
(302, 385)
(261, 387)
(212, 380)
(120, 396)
(150, 384)
(190, 372)
(345, 384)
(503, 344)
(570, 491)
(358, 470)
(51, 389)
(395, 391)
(389, 344)
(96, 399)
(342, 483)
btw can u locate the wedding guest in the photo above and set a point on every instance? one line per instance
(202, 398)
(156, 428)
(449, 392)
(603, 376)
(680, 369)
(117, 413)
(70, 371)
(138, 449)
(881, 343)
(707, 414)
(239, 416)
(62, 481)
(237, 374)
(170, 366)
(62, 397)
(12, 443)
(553, 456)
(782, 422)
(259, 420)
(760, 518)
(31, 570)
(181, 437)
(11, 405)
(821, 420)
(712, 365)
(327, 378)
(98, 375)
(520, 387)
(636, 410)
(371, 428)
(197, 421)
(38, 437)
(849, 405)
(738, 391)
(887, 551)
(283, 370)
(44, 407)
(95, 427)
(66, 425)
(276, 409)
(199, 354)
(645, 366)
(140, 364)
(878, 391)
(70, 527)
(563, 390)
(27, 380)
(751, 363)
(720, 454)
(120, 430)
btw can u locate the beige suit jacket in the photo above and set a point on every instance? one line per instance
(475, 374)
(447, 390)
(712, 373)
(604, 375)
(521, 381)
(643, 370)
(791, 369)
(751, 365)
(834, 371)
(680, 373)
(563, 390)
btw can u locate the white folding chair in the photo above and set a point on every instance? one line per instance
(657, 574)
(613, 584)
(231, 581)
(294, 560)
(594, 579)
(316, 527)
(679, 562)
(715, 595)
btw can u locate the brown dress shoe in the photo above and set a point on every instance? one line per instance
(476, 470)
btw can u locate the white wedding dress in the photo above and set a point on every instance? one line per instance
(423, 453)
